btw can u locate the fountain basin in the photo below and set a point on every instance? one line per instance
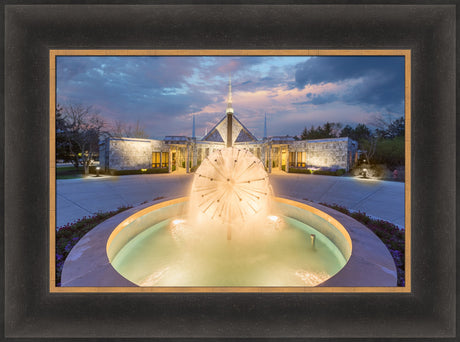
(365, 260)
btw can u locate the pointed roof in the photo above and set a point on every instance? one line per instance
(239, 132)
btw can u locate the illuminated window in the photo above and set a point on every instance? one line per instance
(156, 159)
(160, 159)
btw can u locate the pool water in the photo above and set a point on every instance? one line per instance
(164, 255)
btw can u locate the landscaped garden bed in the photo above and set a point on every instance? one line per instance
(390, 234)
(68, 235)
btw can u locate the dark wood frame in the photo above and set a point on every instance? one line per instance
(31, 311)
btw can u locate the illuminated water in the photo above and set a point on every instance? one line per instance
(163, 255)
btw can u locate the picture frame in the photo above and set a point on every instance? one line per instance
(82, 267)
(32, 311)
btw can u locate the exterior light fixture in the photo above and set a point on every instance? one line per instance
(97, 171)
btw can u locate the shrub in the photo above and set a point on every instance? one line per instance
(339, 172)
(324, 172)
(68, 235)
(373, 170)
(389, 233)
(138, 172)
(296, 170)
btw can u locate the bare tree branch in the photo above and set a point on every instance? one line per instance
(83, 129)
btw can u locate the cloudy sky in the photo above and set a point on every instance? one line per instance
(164, 93)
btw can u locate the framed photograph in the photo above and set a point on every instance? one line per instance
(241, 222)
(207, 163)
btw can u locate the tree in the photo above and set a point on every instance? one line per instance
(369, 146)
(328, 130)
(137, 132)
(336, 128)
(396, 128)
(82, 129)
(61, 139)
(304, 134)
(118, 129)
(389, 128)
(360, 132)
(121, 129)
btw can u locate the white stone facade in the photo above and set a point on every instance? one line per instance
(129, 153)
(336, 153)
(136, 154)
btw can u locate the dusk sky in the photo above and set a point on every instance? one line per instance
(164, 93)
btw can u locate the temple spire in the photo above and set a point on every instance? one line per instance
(229, 103)
(229, 114)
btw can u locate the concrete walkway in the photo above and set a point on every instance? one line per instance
(80, 197)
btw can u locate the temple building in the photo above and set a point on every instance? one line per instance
(175, 152)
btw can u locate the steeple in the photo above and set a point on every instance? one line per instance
(229, 114)
(229, 103)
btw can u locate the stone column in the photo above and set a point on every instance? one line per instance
(270, 159)
(195, 155)
(170, 160)
(295, 158)
(161, 158)
(280, 158)
(288, 156)
(187, 159)
(262, 154)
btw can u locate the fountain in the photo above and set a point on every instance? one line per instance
(231, 232)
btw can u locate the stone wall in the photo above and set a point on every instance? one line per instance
(330, 153)
(129, 153)
(204, 149)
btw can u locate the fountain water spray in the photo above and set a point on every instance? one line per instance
(231, 188)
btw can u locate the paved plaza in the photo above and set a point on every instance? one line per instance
(76, 198)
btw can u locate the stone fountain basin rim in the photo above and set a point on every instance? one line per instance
(369, 265)
(332, 228)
